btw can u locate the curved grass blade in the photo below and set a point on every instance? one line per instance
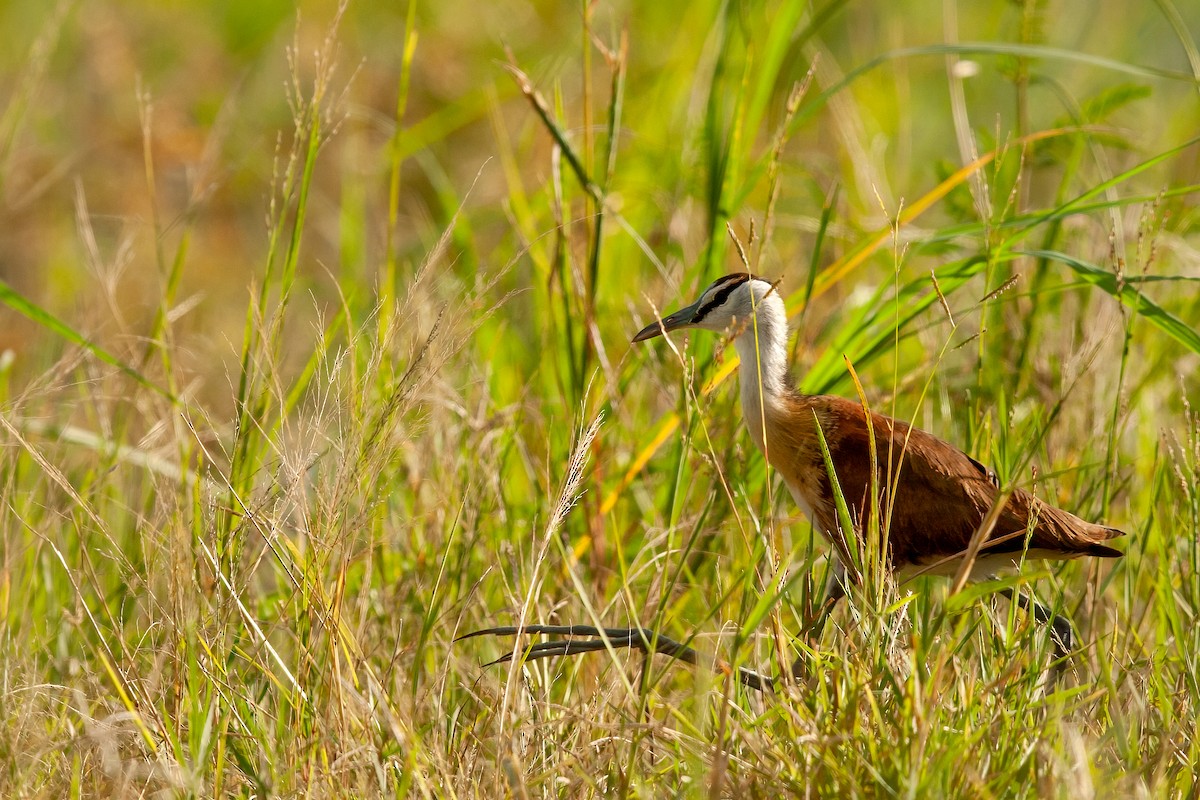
(27, 308)
(1129, 296)
(996, 49)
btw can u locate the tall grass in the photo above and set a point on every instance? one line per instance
(303, 383)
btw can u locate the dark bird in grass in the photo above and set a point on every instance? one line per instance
(946, 512)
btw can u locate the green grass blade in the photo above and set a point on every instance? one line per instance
(1129, 296)
(27, 308)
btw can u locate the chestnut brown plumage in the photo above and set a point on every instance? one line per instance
(941, 494)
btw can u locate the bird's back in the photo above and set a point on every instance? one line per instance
(941, 494)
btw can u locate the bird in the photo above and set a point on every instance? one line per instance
(940, 497)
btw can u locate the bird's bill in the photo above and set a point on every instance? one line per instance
(680, 319)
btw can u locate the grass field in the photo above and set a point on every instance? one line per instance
(315, 333)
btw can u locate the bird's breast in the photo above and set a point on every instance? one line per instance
(786, 436)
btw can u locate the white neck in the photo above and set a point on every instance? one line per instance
(762, 348)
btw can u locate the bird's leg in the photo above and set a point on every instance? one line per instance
(835, 590)
(1061, 631)
(644, 639)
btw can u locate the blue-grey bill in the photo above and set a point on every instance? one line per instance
(679, 319)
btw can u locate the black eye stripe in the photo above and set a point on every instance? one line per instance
(731, 283)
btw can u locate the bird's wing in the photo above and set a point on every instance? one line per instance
(941, 494)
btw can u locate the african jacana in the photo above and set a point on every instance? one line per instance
(941, 495)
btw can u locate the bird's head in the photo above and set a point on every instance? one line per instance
(729, 301)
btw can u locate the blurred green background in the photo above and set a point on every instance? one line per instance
(214, 77)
